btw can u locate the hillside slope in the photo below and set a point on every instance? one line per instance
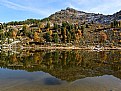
(71, 15)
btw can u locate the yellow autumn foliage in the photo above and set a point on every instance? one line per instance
(36, 37)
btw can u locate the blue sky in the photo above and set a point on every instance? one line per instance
(14, 10)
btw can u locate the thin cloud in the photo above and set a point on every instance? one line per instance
(16, 6)
(107, 7)
(69, 4)
(98, 6)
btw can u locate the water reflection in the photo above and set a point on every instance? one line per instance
(52, 81)
(40, 81)
(65, 65)
(55, 70)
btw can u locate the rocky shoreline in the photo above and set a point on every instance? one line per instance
(46, 47)
(72, 48)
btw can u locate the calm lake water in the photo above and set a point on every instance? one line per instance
(60, 70)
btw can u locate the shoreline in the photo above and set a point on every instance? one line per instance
(71, 48)
(38, 47)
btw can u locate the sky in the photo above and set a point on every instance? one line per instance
(18, 10)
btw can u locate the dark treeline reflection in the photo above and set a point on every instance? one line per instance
(66, 65)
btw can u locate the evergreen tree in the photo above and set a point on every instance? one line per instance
(82, 28)
(1, 26)
(63, 32)
(56, 38)
(55, 26)
(48, 37)
(68, 37)
(48, 25)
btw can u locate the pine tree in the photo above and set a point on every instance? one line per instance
(56, 38)
(68, 37)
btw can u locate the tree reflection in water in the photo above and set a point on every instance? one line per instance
(66, 65)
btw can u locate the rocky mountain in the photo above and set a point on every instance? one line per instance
(73, 16)
(117, 15)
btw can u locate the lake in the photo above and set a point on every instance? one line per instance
(60, 70)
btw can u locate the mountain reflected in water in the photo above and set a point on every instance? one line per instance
(68, 65)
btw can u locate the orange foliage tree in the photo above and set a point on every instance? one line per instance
(103, 36)
(36, 37)
(14, 33)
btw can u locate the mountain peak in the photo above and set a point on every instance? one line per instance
(68, 8)
(73, 16)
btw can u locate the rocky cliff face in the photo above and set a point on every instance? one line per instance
(71, 15)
